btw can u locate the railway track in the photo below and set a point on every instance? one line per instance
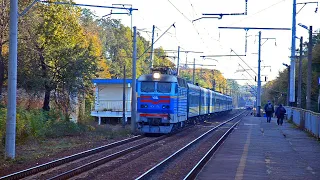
(74, 165)
(87, 160)
(173, 167)
(68, 159)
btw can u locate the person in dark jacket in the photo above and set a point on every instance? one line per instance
(269, 109)
(280, 112)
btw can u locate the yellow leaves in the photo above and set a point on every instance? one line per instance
(96, 45)
(103, 69)
(5, 49)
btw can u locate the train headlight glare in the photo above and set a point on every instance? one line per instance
(156, 75)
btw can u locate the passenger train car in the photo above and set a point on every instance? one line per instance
(167, 102)
(249, 105)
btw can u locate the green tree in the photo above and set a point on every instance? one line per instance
(4, 50)
(65, 53)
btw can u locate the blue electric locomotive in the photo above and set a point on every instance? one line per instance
(167, 102)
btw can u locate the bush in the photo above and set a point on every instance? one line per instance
(54, 129)
(3, 117)
(39, 124)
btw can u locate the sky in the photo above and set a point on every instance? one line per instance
(204, 35)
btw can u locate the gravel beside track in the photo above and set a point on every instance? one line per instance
(181, 166)
(89, 142)
(133, 165)
(60, 169)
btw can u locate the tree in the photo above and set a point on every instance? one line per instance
(67, 55)
(4, 41)
(277, 89)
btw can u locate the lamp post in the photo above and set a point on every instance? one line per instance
(300, 73)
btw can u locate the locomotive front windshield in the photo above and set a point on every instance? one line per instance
(160, 87)
(147, 86)
(163, 87)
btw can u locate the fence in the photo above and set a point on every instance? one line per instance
(305, 119)
(115, 106)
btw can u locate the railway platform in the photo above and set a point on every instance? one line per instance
(260, 150)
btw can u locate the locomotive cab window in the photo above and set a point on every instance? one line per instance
(147, 86)
(163, 87)
(160, 87)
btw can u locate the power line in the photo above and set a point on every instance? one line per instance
(214, 39)
(243, 60)
(157, 40)
(258, 12)
(190, 22)
(179, 11)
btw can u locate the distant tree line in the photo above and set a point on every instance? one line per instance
(276, 90)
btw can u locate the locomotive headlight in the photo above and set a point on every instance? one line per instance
(156, 75)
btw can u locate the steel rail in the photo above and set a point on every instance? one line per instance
(111, 157)
(103, 160)
(58, 162)
(150, 172)
(197, 168)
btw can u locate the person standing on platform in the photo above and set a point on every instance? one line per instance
(269, 109)
(280, 112)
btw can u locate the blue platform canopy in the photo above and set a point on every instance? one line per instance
(110, 81)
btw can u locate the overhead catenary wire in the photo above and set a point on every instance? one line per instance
(179, 11)
(279, 2)
(190, 21)
(156, 40)
(243, 60)
(217, 40)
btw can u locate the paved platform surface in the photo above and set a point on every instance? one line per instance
(260, 150)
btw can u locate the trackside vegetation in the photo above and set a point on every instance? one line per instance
(276, 90)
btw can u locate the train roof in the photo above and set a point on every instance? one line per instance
(192, 86)
(163, 78)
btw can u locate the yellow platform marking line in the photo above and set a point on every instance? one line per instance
(242, 164)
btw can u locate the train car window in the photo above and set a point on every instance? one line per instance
(180, 82)
(164, 87)
(185, 83)
(147, 86)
